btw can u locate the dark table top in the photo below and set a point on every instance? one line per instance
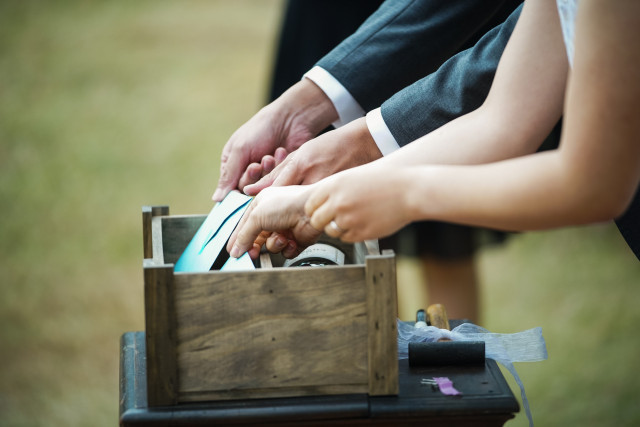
(486, 400)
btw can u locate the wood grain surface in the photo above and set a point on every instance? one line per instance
(271, 329)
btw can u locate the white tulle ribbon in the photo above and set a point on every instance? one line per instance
(525, 346)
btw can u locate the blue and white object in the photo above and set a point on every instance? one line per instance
(212, 236)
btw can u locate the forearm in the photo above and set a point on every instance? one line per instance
(539, 191)
(592, 176)
(470, 139)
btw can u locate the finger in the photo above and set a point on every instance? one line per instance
(267, 163)
(280, 154)
(287, 174)
(284, 174)
(245, 216)
(276, 243)
(322, 216)
(333, 229)
(292, 250)
(317, 197)
(245, 237)
(262, 238)
(254, 252)
(264, 182)
(351, 236)
(254, 174)
(232, 166)
(251, 175)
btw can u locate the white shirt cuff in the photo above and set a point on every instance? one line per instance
(347, 107)
(381, 134)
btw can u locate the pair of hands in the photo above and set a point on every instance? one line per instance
(365, 202)
(274, 149)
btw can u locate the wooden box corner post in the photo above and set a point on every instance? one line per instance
(160, 327)
(382, 303)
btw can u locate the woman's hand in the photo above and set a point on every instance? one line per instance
(363, 203)
(275, 209)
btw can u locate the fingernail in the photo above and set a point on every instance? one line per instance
(217, 195)
(235, 252)
(247, 189)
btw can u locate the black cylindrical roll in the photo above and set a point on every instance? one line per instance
(446, 353)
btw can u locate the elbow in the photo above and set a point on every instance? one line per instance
(596, 194)
(608, 211)
(616, 207)
(605, 205)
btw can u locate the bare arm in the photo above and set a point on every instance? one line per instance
(594, 174)
(592, 177)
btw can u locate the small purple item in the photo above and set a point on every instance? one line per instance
(446, 386)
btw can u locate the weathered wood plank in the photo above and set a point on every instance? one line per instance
(362, 249)
(294, 329)
(148, 212)
(381, 318)
(147, 241)
(177, 232)
(160, 327)
(265, 260)
(157, 246)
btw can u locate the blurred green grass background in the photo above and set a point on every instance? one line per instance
(108, 106)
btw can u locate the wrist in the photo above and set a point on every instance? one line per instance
(307, 106)
(357, 132)
(417, 198)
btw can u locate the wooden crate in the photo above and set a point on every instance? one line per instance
(272, 332)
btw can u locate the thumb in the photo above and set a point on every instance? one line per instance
(255, 188)
(284, 174)
(230, 172)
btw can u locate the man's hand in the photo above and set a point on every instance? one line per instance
(288, 122)
(335, 151)
(256, 171)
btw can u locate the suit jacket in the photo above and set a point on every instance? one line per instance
(406, 40)
(459, 86)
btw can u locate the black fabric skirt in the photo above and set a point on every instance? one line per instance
(629, 224)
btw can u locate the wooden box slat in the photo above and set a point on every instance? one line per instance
(306, 325)
(177, 231)
(160, 321)
(382, 339)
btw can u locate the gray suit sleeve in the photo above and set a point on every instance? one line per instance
(405, 40)
(458, 87)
